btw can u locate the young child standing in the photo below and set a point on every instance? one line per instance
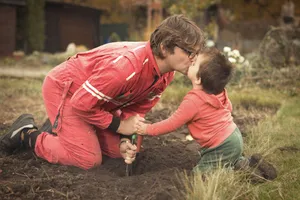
(206, 110)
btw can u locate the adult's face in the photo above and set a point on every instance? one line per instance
(181, 59)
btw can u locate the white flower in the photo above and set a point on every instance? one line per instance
(236, 53)
(230, 54)
(226, 49)
(241, 59)
(232, 60)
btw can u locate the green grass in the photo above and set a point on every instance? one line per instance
(276, 136)
(20, 96)
(220, 185)
(175, 92)
(255, 97)
(287, 123)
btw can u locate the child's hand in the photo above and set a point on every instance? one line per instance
(141, 128)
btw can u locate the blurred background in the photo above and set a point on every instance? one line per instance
(54, 25)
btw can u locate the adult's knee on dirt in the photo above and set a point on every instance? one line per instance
(89, 161)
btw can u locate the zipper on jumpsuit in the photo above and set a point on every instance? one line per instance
(58, 118)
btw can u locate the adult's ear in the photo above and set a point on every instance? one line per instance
(198, 81)
(163, 50)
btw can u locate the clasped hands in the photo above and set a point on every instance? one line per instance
(129, 126)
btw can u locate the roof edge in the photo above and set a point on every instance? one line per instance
(77, 4)
(14, 2)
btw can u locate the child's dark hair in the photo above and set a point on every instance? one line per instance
(215, 71)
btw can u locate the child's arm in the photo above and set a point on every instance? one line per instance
(182, 115)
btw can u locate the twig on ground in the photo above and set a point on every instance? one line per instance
(32, 190)
(24, 175)
(54, 191)
(153, 184)
(48, 177)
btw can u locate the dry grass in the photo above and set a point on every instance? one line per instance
(222, 184)
(272, 104)
(20, 96)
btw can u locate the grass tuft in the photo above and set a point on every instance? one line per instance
(222, 184)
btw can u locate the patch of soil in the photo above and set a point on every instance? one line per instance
(155, 173)
(247, 118)
(3, 127)
(24, 176)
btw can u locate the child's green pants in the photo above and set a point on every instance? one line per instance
(224, 155)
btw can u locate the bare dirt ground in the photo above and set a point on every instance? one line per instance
(24, 176)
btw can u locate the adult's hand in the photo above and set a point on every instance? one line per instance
(142, 128)
(128, 150)
(130, 125)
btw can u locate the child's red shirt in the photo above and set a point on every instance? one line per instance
(207, 116)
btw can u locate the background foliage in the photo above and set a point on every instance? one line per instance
(35, 29)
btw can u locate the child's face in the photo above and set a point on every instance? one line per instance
(194, 68)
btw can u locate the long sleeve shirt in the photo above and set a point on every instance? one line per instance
(121, 76)
(207, 116)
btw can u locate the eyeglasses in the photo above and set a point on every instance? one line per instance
(190, 54)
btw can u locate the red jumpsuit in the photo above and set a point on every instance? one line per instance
(84, 93)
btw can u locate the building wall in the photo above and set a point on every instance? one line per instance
(68, 23)
(7, 29)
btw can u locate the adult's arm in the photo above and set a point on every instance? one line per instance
(101, 87)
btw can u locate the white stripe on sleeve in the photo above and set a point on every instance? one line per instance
(145, 61)
(129, 77)
(117, 59)
(93, 91)
(96, 91)
(136, 48)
